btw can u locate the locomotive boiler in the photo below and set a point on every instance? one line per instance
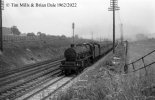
(79, 56)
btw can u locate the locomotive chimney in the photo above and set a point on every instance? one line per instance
(72, 45)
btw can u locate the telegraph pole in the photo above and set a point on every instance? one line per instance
(113, 7)
(1, 35)
(73, 26)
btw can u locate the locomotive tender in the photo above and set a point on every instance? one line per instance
(79, 56)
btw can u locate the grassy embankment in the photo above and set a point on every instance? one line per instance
(142, 81)
(19, 53)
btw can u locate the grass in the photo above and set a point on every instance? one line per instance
(17, 54)
(109, 87)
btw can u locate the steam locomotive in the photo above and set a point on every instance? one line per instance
(79, 56)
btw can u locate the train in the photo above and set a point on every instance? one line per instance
(79, 56)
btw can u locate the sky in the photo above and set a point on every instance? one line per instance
(90, 17)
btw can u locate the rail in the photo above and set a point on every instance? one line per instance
(29, 66)
(33, 78)
(138, 60)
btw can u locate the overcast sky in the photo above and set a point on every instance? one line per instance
(90, 16)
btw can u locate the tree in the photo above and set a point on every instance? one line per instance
(30, 34)
(38, 33)
(15, 30)
(41, 34)
(63, 36)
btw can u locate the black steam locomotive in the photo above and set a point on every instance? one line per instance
(79, 56)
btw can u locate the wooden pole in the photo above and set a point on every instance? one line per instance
(113, 7)
(113, 27)
(73, 31)
(1, 36)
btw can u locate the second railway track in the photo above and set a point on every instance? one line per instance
(14, 85)
(53, 86)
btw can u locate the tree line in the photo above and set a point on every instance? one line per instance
(15, 31)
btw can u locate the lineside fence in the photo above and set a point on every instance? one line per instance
(145, 61)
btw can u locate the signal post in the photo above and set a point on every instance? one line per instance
(73, 26)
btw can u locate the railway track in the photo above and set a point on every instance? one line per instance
(2, 74)
(15, 85)
(47, 95)
(62, 81)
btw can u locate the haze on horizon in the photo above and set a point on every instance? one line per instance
(137, 16)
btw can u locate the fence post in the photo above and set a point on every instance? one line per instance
(144, 66)
(126, 66)
(133, 66)
(126, 47)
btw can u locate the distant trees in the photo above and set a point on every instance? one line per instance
(38, 34)
(30, 34)
(15, 30)
(41, 34)
(63, 36)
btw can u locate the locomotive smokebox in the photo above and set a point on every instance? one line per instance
(73, 53)
(72, 45)
(70, 54)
